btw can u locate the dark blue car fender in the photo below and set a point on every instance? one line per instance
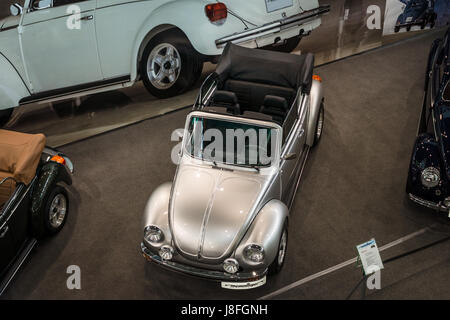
(426, 154)
(49, 176)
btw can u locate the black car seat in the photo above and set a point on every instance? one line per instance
(277, 107)
(227, 100)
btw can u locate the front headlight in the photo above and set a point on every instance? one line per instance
(254, 253)
(153, 234)
(231, 266)
(430, 177)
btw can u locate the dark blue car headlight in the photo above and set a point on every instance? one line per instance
(430, 177)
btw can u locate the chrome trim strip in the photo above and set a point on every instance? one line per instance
(275, 26)
(202, 273)
(429, 204)
(11, 274)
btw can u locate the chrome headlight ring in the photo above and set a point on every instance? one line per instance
(153, 234)
(430, 177)
(254, 253)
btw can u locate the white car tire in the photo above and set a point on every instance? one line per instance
(169, 64)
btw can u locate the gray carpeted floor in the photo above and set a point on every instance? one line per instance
(352, 190)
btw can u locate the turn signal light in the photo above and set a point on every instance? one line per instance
(316, 77)
(216, 12)
(58, 159)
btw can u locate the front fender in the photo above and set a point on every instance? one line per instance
(12, 88)
(426, 154)
(315, 101)
(188, 16)
(50, 174)
(157, 211)
(265, 231)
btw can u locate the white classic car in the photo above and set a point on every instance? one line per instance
(52, 50)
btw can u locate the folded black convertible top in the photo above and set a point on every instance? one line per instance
(268, 67)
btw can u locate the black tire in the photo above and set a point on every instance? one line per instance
(408, 28)
(396, 29)
(5, 116)
(320, 118)
(275, 267)
(423, 24)
(187, 72)
(49, 228)
(287, 47)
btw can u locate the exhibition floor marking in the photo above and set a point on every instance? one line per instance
(342, 265)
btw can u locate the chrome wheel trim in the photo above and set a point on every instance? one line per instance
(58, 210)
(163, 66)
(282, 248)
(320, 125)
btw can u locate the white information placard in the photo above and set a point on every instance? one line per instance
(370, 257)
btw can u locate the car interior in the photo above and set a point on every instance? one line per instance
(271, 93)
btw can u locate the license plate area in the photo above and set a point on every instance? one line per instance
(274, 5)
(244, 285)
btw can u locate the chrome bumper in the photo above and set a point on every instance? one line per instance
(440, 207)
(274, 27)
(201, 273)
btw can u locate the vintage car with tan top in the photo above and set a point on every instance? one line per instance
(33, 203)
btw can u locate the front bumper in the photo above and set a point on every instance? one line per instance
(274, 27)
(440, 207)
(202, 273)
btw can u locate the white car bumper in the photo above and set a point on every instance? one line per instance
(282, 29)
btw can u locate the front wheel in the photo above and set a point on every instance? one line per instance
(169, 65)
(56, 210)
(5, 116)
(278, 263)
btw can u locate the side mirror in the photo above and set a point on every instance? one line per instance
(41, 4)
(290, 156)
(15, 9)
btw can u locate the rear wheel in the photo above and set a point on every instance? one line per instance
(396, 29)
(169, 65)
(278, 263)
(5, 116)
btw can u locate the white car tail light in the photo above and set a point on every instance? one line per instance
(216, 12)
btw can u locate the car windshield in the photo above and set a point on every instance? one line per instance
(229, 142)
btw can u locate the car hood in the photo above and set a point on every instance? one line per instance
(209, 208)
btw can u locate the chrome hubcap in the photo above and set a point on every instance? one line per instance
(163, 66)
(282, 248)
(58, 210)
(320, 125)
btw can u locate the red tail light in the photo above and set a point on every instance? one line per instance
(216, 12)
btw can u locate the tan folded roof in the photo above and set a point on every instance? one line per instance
(20, 154)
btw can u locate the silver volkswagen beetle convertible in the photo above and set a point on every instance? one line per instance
(225, 216)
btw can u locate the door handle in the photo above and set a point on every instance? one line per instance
(86, 18)
(3, 232)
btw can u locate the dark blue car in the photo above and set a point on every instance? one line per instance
(416, 12)
(429, 173)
